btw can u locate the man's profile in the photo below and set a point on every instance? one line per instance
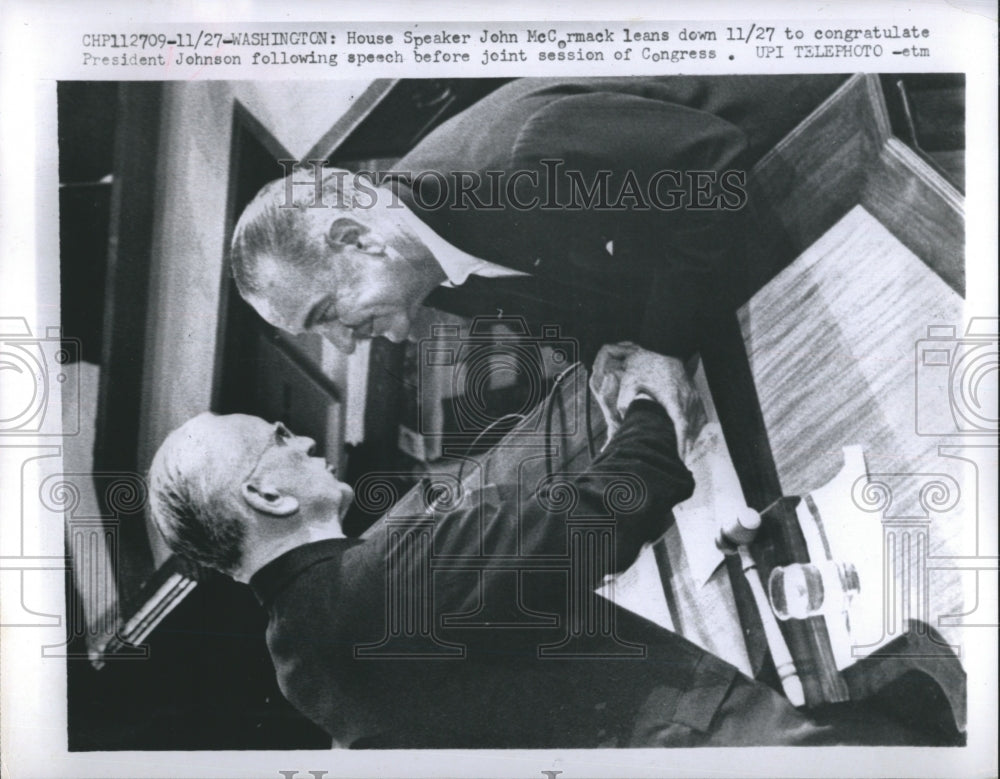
(353, 276)
(275, 475)
(613, 207)
(248, 498)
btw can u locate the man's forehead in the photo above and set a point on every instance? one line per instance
(221, 445)
(226, 426)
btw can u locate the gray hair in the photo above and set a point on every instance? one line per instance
(192, 511)
(274, 223)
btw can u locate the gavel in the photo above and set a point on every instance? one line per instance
(736, 531)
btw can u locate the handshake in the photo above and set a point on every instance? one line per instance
(622, 372)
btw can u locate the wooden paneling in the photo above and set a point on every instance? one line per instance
(832, 344)
(798, 190)
(125, 305)
(861, 249)
(815, 175)
(920, 208)
(253, 162)
(843, 154)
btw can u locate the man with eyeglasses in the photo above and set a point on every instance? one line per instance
(250, 499)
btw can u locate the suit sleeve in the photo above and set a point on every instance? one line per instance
(685, 239)
(633, 485)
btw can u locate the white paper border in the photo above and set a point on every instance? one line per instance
(33, 692)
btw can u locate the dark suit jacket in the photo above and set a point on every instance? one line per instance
(669, 272)
(427, 635)
(327, 599)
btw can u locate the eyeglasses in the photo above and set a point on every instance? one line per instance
(281, 435)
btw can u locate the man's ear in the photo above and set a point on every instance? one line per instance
(268, 499)
(346, 231)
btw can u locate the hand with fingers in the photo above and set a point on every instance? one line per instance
(605, 382)
(623, 372)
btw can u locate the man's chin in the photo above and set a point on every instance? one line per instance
(346, 499)
(342, 346)
(398, 338)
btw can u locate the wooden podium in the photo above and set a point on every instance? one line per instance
(861, 256)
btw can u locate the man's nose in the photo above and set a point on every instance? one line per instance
(305, 444)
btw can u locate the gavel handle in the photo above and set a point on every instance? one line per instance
(783, 662)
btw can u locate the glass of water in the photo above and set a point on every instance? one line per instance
(804, 590)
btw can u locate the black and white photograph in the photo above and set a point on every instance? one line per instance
(500, 397)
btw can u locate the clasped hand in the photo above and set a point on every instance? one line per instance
(625, 371)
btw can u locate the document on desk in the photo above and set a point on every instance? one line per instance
(686, 588)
